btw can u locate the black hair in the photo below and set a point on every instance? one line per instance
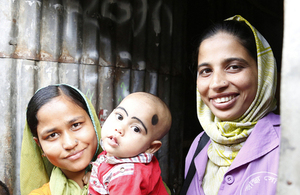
(238, 29)
(45, 95)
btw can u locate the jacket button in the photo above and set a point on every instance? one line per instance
(229, 179)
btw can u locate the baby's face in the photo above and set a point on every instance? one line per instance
(131, 127)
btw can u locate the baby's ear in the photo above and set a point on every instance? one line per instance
(154, 146)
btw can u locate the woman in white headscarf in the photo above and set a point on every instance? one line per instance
(236, 84)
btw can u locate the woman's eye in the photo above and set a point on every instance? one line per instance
(136, 129)
(52, 136)
(205, 72)
(75, 125)
(119, 117)
(235, 68)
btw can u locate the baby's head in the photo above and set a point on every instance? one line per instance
(136, 126)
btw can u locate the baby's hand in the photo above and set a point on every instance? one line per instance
(86, 178)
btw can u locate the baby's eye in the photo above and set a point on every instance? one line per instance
(136, 129)
(119, 117)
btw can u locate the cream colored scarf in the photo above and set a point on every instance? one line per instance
(227, 138)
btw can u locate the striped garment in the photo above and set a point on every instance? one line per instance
(122, 167)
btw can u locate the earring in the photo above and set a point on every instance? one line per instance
(43, 155)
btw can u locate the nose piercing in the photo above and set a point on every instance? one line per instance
(76, 141)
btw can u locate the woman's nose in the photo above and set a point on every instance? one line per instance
(69, 141)
(218, 81)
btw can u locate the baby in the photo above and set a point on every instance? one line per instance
(129, 137)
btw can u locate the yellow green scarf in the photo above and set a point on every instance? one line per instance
(35, 170)
(228, 137)
(59, 184)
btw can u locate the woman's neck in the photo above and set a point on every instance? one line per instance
(75, 176)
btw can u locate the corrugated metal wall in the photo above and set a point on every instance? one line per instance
(106, 48)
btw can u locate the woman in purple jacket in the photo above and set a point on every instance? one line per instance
(236, 84)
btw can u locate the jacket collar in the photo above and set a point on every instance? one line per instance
(264, 138)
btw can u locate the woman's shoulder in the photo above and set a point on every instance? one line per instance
(44, 190)
(272, 118)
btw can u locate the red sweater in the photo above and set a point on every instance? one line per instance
(131, 176)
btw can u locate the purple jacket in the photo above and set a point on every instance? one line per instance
(254, 170)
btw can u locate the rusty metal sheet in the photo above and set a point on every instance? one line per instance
(28, 23)
(68, 74)
(139, 18)
(122, 19)
(47, 73)
(51, 28)
(88, 81)
(71, 46)
(8, 21)
(105, 92)
(91, 34)
(178, 38)
(166, 37)
(137, 80)
(107, 34)
(153, 35)
(121, 85)
(151, 82)
(7, 135)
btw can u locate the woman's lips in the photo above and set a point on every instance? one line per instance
(75, 155)
(223, 103)
(223, 99)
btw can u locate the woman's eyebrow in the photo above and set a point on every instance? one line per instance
(48, 131)
(141, 123)
(122, 109)
(225, 60)
(75, 119)
(202, 64)
(235, 59)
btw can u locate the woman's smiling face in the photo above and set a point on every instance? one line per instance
(227, 77)
(66, 134)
